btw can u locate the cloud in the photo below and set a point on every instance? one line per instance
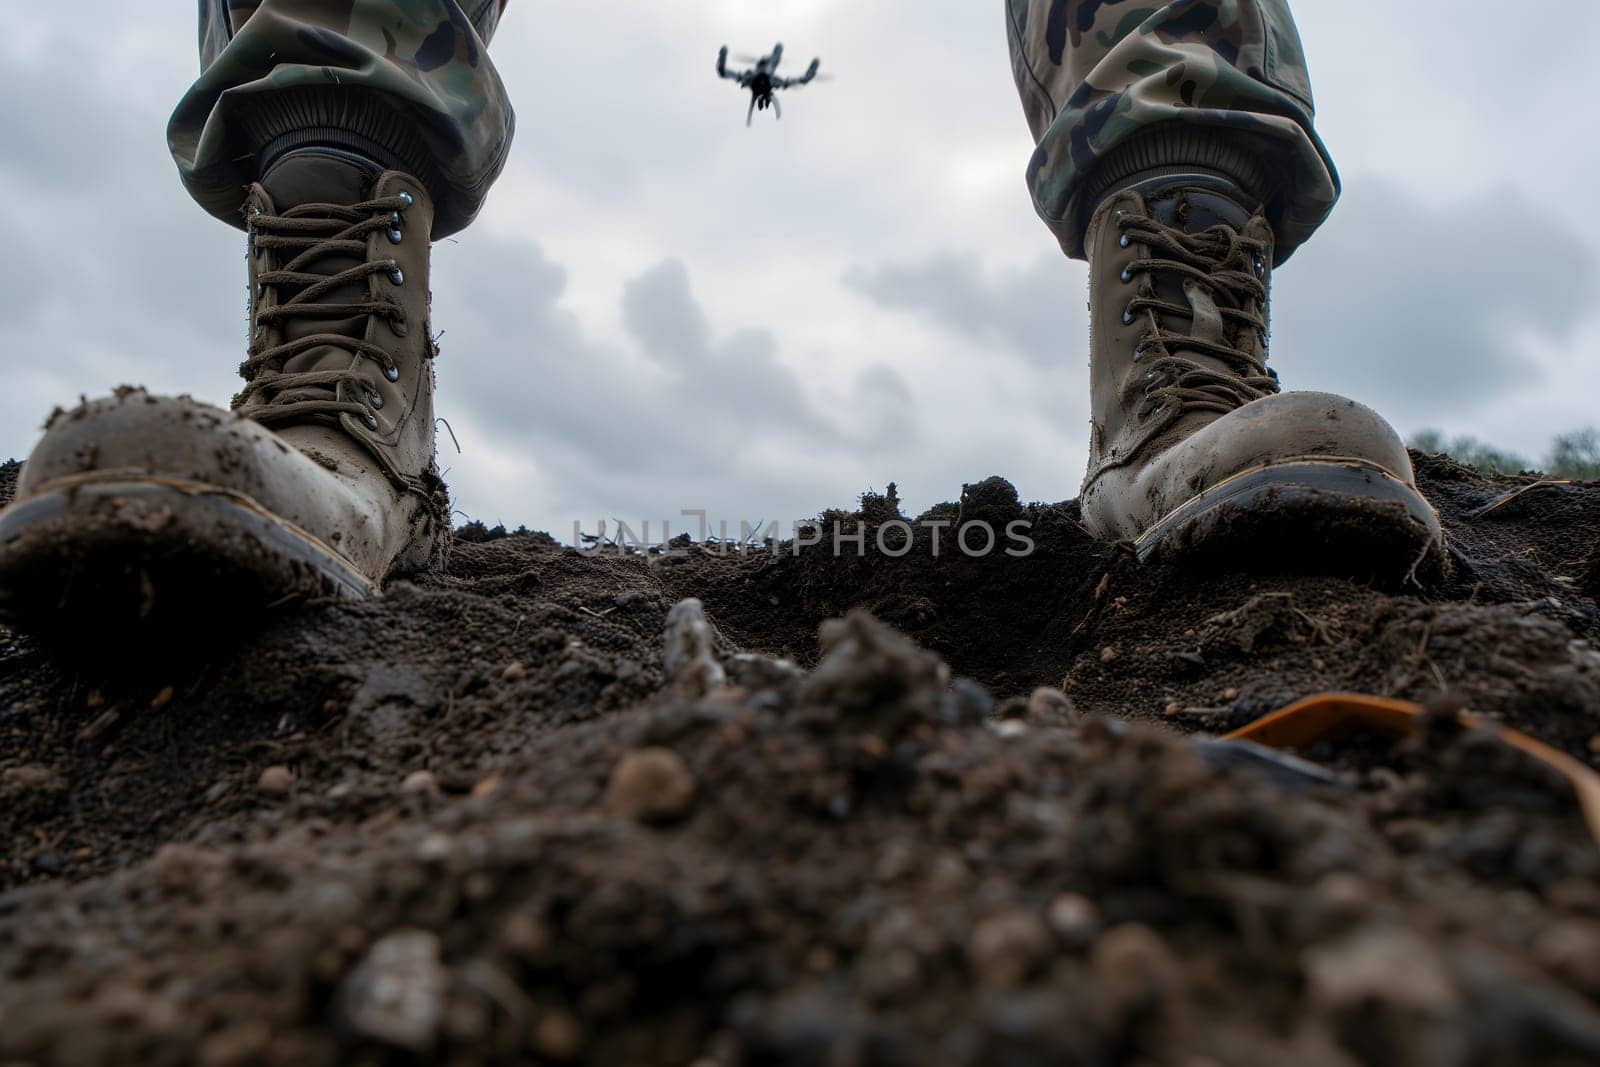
(1036, 312)
(679, 417)
(1428, 310)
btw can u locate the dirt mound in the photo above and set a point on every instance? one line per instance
(496, 817)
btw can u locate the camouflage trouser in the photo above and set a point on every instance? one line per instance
(407, 82)
(1113, 88)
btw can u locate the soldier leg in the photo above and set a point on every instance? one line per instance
(406, 83)
(344, 135)
(1176, 153)
(1114, 90)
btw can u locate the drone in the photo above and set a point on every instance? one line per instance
(762, 80)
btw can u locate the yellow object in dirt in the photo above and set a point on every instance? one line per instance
(1328, 716)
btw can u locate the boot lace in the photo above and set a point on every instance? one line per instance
(310, 233)
(1232, 269)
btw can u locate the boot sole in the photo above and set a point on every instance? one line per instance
(1317, 515)
(117, 554)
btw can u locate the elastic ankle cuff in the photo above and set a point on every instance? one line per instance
(347, 118)
(1174, 148)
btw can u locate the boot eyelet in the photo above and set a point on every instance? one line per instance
(406, 199)
(370, 420)
(1127, 318)
(396, 275)
(392, 373)
(1127, 275)
(1261, 267)
(1126, 241)
(374, 400)
(1138, 353)
(395, 236)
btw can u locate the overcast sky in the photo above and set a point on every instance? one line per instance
(660, 309)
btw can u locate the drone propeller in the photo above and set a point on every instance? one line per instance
(747, 59)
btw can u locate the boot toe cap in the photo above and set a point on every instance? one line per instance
(1282, 430)
(133, 432)
(137, 435)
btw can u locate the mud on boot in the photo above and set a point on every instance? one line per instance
(145, 513)
(1194, 452)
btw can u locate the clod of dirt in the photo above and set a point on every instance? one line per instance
(1049, 706)
(1004, 949)
(1135, 972)
(396, 994)
(651, 785)
(1267, 619)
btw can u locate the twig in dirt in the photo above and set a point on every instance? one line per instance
(1506, 498)
(1094, 605)
(1437, 673)
(596, 614)
(1416, 565)
(1197, 713)
(690, 657)
(1319, 629)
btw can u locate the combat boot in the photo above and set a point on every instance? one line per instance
(321, 479)
(1193, 447)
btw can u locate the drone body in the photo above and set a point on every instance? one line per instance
(762, 80)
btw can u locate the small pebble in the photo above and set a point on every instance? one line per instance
(1075, 917)
(420, 782)
(396, 994)
(161, 699)
(514, 672)
(1172, 708)
(1107, 654)
(651, 785)
(435, 848)
(275, 781)
(1230, 694)
(558, 1035)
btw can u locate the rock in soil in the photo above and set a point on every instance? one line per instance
(883, 811)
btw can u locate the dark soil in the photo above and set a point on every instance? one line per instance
(494, 817)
